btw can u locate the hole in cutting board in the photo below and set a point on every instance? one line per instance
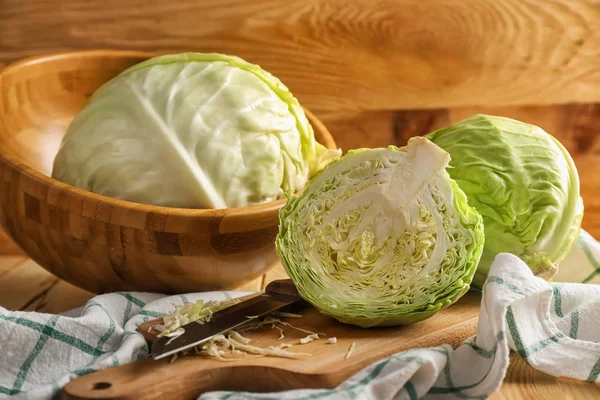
(101, 385)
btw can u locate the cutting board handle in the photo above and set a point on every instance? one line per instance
(282, 286)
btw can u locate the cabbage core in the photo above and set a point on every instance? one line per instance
(382, 236)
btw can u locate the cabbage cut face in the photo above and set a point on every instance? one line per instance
(191, 130)
(525, 185)
(382, 237)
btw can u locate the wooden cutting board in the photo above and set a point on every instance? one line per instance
(190, 376)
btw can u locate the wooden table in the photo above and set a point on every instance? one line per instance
(26, 286)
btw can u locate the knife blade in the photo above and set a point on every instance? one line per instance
(278, 295)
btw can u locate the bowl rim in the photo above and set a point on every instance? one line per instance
(24, 168)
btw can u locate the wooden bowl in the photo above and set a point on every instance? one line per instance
(99, 243)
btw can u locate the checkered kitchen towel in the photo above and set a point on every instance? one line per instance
(554, 326)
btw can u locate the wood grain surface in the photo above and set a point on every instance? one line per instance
(348, 54)
(7, 246)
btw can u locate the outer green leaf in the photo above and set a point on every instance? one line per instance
(524, 184)
(192, 130)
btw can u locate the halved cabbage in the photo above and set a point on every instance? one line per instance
(191, 130)
(525, 185)
(382, 237)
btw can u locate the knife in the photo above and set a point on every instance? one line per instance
(278, 294)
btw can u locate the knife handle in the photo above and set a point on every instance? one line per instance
(282, 286)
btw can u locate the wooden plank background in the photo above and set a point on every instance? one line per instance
(375, 71)
(348, 54)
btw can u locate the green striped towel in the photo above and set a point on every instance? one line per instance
(554, 326)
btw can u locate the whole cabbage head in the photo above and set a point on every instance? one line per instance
(525, 185)
(381, 237)
(191, 130)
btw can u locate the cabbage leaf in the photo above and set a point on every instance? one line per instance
(191, 130)
(525, 185)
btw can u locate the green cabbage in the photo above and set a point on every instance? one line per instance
(381, 237)
(525, 185)
(191, 130)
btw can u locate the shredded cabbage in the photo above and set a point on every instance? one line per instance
(200, 312)
(232, 345)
